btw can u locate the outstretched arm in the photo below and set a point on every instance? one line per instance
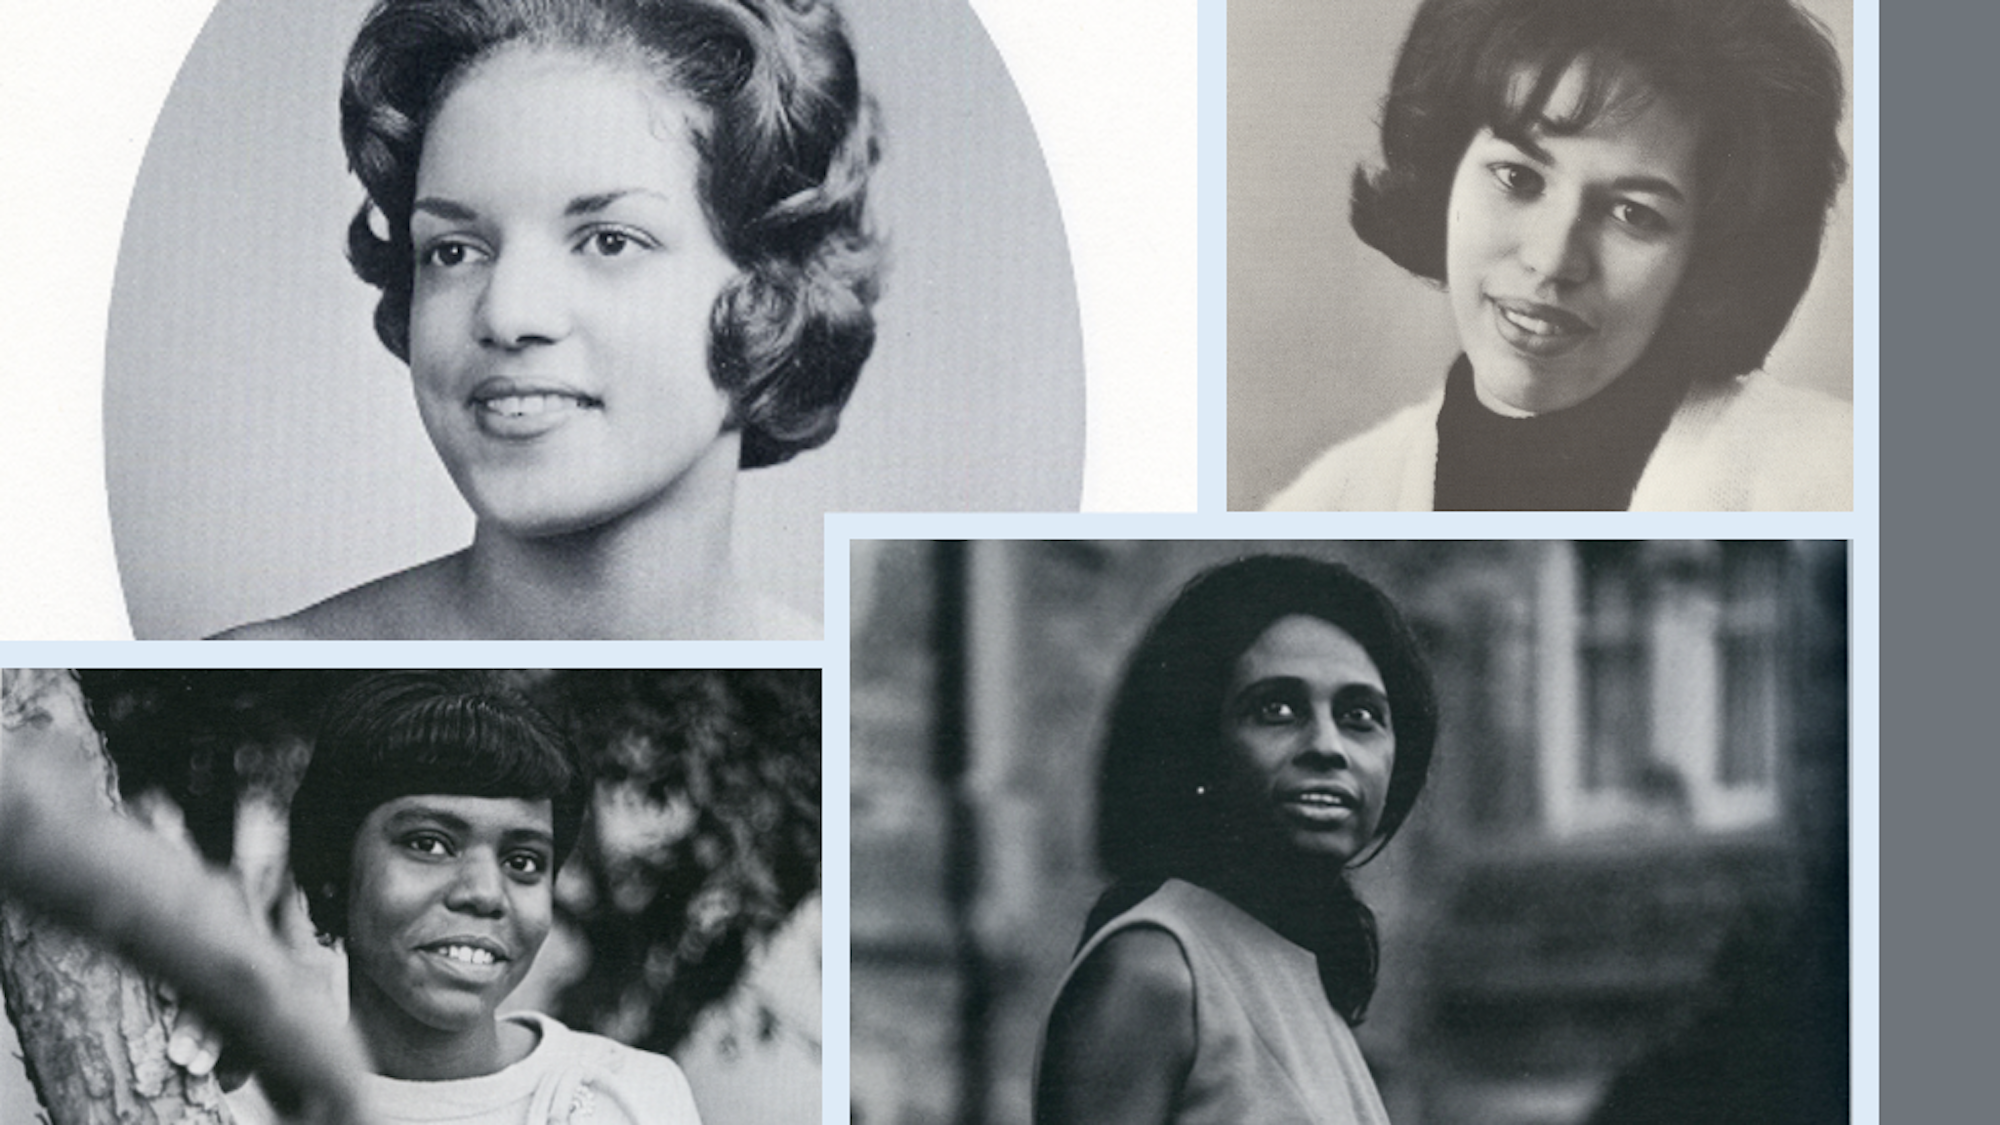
(1122, 1036)
(66, 854)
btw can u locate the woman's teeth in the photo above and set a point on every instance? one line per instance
(468, 954)
(521, 406)
(1532, 324)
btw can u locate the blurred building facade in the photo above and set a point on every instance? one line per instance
(1635, 832)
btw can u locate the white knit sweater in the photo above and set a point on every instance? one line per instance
(1750, 445)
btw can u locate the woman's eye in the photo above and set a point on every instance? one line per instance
(449, 254)
(428, 845)
(1364, 718)
(1274, 712)
(1516, 179)
(612, 243)
(527, 863)
(1638, 216)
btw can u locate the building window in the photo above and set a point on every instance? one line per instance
(1658, 675)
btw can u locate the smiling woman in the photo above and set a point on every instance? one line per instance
(560, 319)
(426, 835)
(628, 251)
(604, 322)
(1624, 201)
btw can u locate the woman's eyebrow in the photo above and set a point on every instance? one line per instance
(425, 815)
(444, 209)
(1363, 693)
(1523, 140)
(1652, 185)
(1271, 683)
(1655, 185)
(592, 204)
(515, 836)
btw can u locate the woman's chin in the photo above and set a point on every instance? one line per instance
(1507, 384)
(541, 522)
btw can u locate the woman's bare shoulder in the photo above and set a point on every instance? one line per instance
(1139, 969)
(1122, 1035)
(411, 604)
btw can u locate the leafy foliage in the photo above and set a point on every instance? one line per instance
(703, 837)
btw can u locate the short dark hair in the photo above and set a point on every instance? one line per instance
(1762, 76)
(1165, 735)
(402, 734)
(787, 143)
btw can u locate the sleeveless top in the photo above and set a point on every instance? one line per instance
(1269, 1049)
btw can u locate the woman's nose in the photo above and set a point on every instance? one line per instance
(1555, 244)
(479, 888)
(1325, 742)
(524, 302)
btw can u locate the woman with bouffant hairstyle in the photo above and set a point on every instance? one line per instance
(1625, 201)
(623, 246)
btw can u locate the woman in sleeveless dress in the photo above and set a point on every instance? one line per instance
(1274, 727)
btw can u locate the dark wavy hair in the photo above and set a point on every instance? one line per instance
(1164, 739)
(401, 734)
(1762, 77)
(786, 139)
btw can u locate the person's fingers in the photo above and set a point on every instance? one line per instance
(193, 1046)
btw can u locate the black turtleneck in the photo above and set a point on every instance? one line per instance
(1586, 457)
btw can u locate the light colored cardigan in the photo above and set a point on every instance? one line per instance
(1749, 445)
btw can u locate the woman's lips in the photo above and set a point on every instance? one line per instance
(517, 411)
(1539, 330)
(473, 959)
(1330, 805)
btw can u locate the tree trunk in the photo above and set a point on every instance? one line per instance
(93, 1033)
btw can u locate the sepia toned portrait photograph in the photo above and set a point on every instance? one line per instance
(352, 897)
(1541, 255)
(471, 319)
(1440, 833)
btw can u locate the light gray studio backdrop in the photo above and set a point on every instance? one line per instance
(1328, 337)
(262, 448)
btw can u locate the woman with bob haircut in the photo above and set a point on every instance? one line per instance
(426, 835)
(622, 245)
(1624, 200)
(1273, 728)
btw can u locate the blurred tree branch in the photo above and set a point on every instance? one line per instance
(92, 1030)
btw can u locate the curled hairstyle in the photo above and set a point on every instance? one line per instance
(1165, 738)
(402, 734)
(1761, 77)
(786, 141)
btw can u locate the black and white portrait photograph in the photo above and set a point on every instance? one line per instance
(1442, 833)
(353, 897)
(1538, 255)
(465, 319)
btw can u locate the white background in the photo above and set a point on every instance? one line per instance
(1110, 85)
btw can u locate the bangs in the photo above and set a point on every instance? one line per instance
(458, 746)
(455, 745)
(410, 734)
(1606, 65)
